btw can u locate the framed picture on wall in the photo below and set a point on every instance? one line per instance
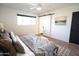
(61, 20)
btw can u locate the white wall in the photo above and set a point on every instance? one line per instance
(8, 17)
(62, 32)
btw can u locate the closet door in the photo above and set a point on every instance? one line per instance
(45, 25)
(74, 35)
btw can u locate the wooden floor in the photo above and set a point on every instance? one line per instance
(73, 47)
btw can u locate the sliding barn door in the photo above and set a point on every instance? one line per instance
(45, 25)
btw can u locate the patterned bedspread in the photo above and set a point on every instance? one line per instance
(39, 45)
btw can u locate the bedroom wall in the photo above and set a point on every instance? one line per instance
(8, 17)
(62, 32)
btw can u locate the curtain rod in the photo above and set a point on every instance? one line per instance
(46, 15)
(26, 15)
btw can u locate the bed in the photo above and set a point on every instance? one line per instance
(26, 45)
(39, 45)
(28, 52)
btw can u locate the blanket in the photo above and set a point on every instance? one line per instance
(39, 45)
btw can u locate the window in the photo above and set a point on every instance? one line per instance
(25, 20)
(45, 25)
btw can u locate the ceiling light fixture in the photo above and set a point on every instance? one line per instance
(36, 7)
(39, 8)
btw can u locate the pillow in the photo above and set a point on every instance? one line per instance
(19, 48)
(7, 45)
(5, 35)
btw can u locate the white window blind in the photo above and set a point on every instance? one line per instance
(21, 20)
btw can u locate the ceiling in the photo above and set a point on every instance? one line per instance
(46, 7)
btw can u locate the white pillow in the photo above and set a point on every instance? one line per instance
(13, 36)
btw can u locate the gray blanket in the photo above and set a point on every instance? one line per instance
(39, 45)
